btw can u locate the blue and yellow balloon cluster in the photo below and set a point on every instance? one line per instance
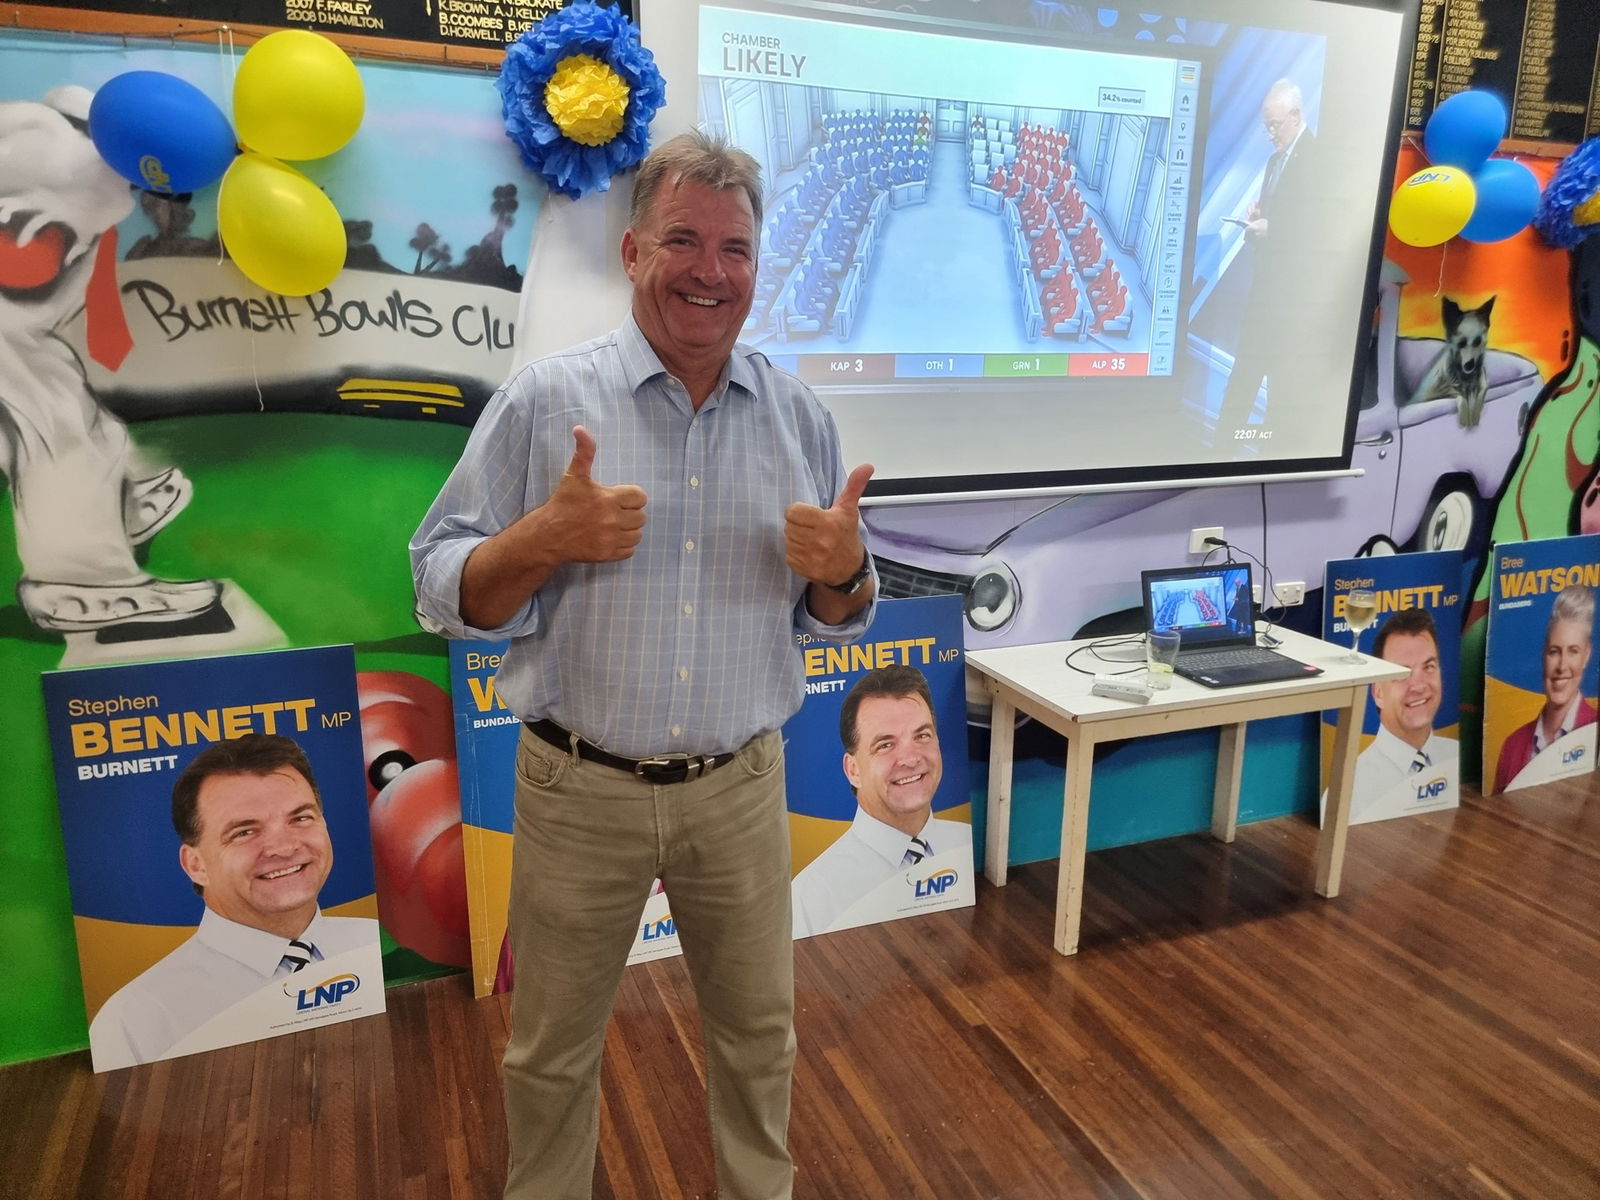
(1464, 191)
(296, 96)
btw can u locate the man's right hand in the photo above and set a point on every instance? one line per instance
(582, 521)
(590, 522)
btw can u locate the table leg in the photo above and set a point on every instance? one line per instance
(1336, 820)
(1225, 794)
(997, 831)
(1074, 843)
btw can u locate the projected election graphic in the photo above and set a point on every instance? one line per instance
(214, 813)
(1540, 674)
(1018, 246)
(918, 143)
(1410, 754)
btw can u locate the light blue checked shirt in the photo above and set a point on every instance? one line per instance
(691, 644)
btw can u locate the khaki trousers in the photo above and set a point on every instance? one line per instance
(588, 842)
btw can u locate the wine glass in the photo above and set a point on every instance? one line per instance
(1360, 609)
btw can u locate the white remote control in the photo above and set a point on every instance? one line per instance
(1121, 687)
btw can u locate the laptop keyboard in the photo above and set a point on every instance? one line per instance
(1212, 660)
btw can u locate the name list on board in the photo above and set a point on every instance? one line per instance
(488, 24)
(1542, 56)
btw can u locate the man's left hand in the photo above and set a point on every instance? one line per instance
(823, 545)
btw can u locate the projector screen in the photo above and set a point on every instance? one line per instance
(1027, 245)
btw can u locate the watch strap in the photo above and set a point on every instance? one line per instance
(853, 585)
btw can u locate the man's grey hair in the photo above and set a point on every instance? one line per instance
(1575, 602)
(695, 157)
(1288, 91)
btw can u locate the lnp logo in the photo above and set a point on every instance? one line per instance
(655, 930)
(320, 995)
(1574, 755)
(936, 884)
(1427, 791)
(154, 174)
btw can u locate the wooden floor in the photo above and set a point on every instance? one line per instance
(1433, 1032)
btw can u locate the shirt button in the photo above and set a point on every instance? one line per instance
(688, 610)
(683, 672)
(694, 481)
(689, 545)
(677, 731)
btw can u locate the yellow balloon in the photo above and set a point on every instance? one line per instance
(1432, 206)
(297, 96)
(278, 227)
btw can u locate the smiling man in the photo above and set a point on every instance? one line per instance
(653, 660)
(1408, 767)
(255, 846)
(892, 760)
(1568, 643)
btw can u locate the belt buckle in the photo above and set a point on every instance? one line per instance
(693, 767)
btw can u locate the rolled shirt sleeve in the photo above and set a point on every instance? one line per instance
(487, 491)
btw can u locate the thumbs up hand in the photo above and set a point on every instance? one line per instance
(590, 522)
(823, 545)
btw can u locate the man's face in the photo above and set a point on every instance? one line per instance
(895, 767)
(263, 852)
(1282, 121)
(692, 260)
(1407, 706)
(1566, 654)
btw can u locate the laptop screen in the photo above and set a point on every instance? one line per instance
(1210, 606)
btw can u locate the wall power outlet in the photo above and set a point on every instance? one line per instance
(1287, 595)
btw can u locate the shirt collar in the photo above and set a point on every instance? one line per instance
(1399, 752)
(887, 842)
(1567, 719)
(641, 363)
(256, 949)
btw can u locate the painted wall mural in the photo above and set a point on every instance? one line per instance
(186, 471)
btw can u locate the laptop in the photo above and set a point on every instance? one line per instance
(1212, 608)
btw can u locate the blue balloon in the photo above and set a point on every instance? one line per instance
(1508, 198)
(1465, 130)
(160, 132)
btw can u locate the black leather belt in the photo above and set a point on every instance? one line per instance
(662, 768)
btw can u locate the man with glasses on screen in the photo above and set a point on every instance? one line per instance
(1277, 233)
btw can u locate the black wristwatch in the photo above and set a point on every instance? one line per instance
(857, 581)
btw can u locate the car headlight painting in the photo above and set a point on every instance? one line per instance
(993, 597)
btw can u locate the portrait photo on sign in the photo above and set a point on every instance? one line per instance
(1540, 674)
(215, 821)
(1404, 609)
(880, 814)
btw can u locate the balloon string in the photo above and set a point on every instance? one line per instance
(222, 254)
(255, 372)
(1438, 286)
(226, 55)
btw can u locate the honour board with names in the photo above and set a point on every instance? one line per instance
(1541, 56)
